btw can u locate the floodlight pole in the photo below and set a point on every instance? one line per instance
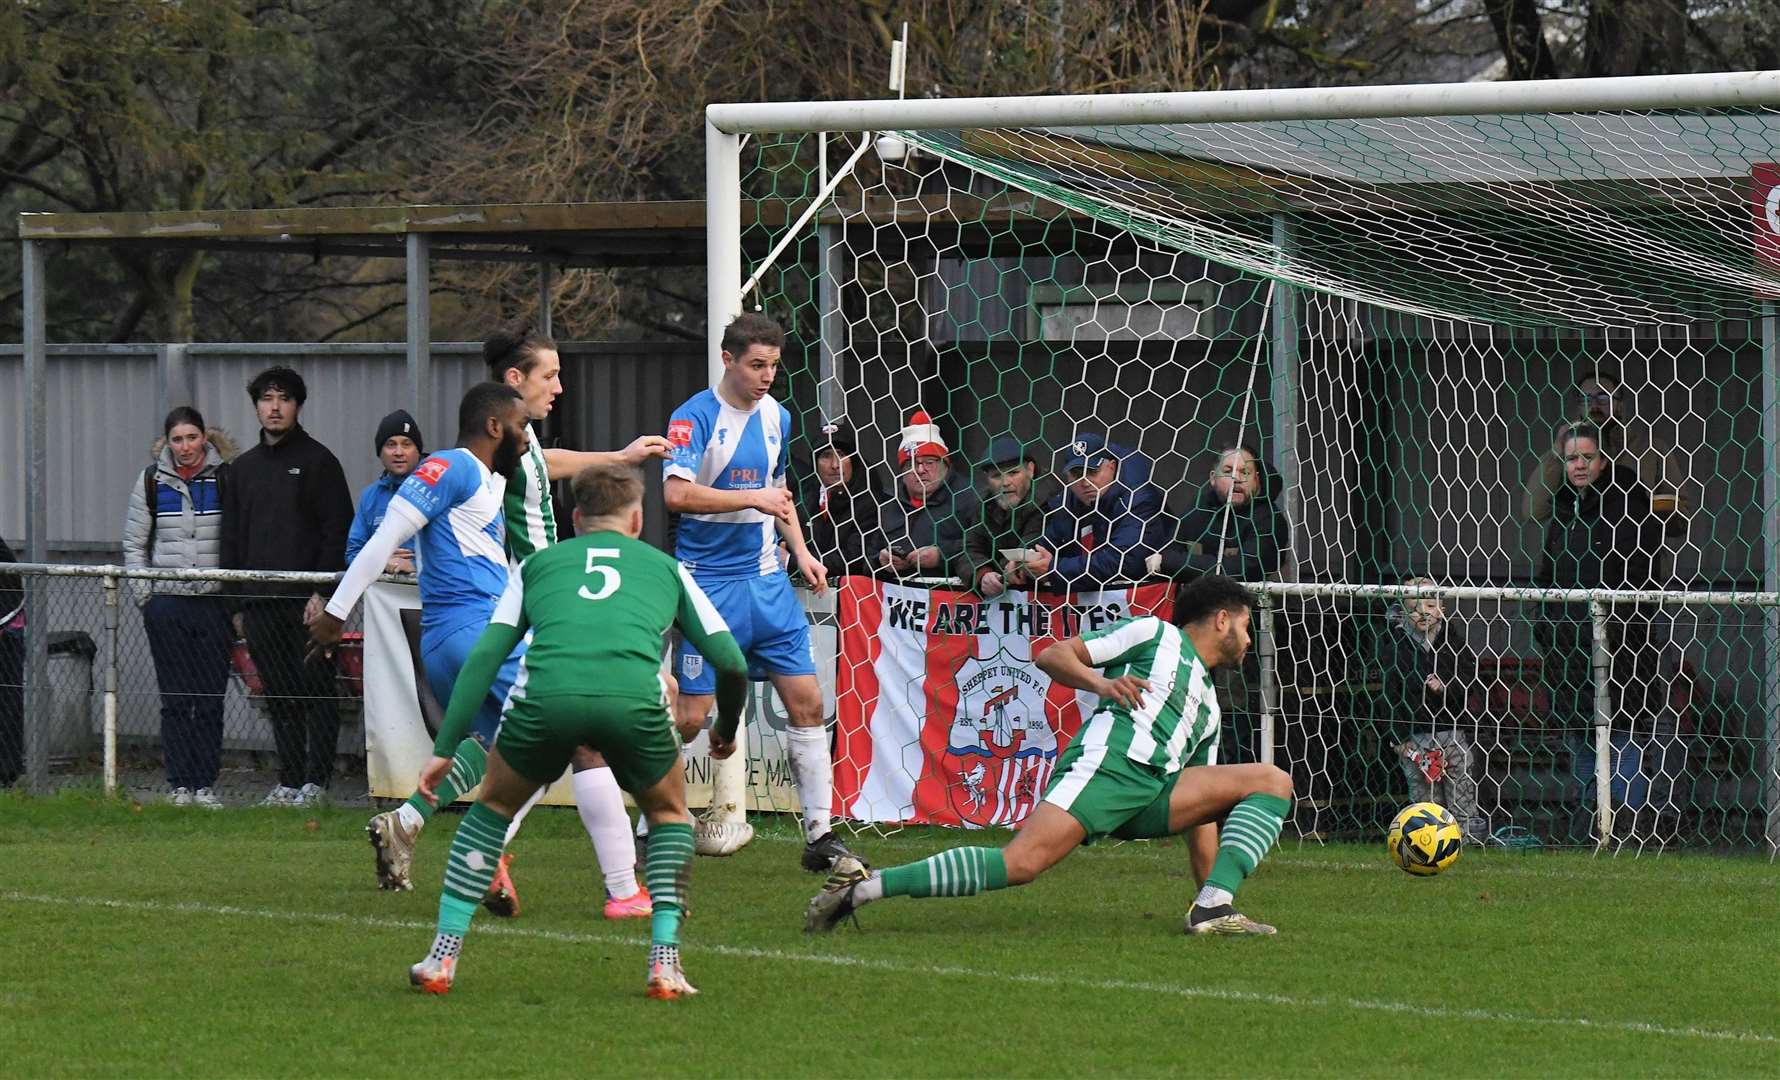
(37, 699)
(723, 302)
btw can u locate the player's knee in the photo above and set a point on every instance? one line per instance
(803, 703)
(667, 815)
(688, 727)
(1022, 864)
(1276, 782)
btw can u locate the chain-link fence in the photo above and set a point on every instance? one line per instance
(192, 686)
(1558, 717)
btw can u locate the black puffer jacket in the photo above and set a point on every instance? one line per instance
(1603, 536)
(286, 507)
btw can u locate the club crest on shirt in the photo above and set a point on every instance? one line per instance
(680, 432)
(431, 470)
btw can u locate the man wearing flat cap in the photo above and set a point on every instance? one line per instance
(1012, 522)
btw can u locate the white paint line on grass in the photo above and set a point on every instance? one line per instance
(1057, 981)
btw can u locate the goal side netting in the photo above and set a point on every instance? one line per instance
(1405, 374)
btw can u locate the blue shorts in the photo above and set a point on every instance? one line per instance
(768, 623)
(443, 656)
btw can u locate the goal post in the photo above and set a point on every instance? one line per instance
(1507, 345)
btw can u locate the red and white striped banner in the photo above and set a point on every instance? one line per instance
(941, 716)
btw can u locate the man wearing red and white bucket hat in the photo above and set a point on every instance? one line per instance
(921, 532)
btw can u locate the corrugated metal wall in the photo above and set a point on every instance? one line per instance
(614, 392)
(106, 404)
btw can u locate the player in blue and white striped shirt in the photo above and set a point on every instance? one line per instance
(726, 480)
(451, 504)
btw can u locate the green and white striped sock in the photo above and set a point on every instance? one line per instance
(470, 868)
(958, 872)
(1248, 833)
(468, 764)
(666, 874)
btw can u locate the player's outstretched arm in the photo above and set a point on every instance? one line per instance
(1070, 663)
(564, 464)
(400, 522)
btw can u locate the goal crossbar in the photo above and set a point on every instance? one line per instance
(1628, 93)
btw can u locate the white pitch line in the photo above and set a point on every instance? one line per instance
(891, 966)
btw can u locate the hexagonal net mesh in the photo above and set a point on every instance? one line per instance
(1463, 358)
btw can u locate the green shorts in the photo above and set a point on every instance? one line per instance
(538, 736)
(1110, 794)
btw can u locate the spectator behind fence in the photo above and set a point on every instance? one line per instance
(839, 505)
(921, 530)
(399, 448)
(286, 507)
(12, 672)
(1236, 528)
(174, 522)
(1427, 671)
(1105, 523)
(1602, 402)
(1012, 521)
(1603, 535)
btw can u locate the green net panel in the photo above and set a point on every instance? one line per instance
(1488, 354)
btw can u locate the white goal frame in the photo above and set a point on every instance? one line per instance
(727, 125)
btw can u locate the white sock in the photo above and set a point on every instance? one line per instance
(1212, 896)
(872, 888)
(608, 826)
(409, 817)
(513, 826)
(814, 771)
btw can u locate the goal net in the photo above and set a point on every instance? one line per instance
(1482, 403)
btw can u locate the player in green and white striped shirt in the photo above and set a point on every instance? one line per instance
(526, 359)
(1143, 766)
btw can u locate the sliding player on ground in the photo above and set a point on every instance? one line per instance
(1143, 766)
(597, 608)
(726, 480)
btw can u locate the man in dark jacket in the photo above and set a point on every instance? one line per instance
(1235, 528)
(287, 507)
(839, 505)
(1102, 526)
(921, 531)
(1012, 520)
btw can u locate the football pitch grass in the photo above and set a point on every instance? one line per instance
(153, 941)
